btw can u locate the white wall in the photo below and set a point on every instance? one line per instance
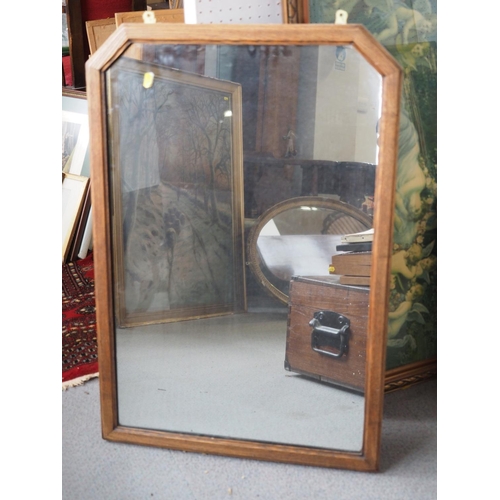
(233, 11)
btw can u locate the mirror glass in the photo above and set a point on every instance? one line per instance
(226, 163)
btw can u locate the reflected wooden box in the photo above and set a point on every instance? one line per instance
(326, 332)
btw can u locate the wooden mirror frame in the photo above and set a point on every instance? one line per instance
(358, 37)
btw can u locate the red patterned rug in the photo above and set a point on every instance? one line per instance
(79, 338)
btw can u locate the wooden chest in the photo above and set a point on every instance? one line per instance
(326, 332)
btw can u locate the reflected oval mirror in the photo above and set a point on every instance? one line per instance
(298, 237)
(197, 133)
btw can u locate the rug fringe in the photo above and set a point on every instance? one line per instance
(78, 381)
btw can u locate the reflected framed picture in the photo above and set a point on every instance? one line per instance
(177, 193)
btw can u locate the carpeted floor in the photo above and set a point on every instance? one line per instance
(79, 338)
(95, 469)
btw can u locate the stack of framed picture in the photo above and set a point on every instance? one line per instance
(99, 30)
(76, 204)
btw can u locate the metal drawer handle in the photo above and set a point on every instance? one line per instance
(330, 329)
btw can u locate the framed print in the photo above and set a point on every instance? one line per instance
(75, 133)
(408, 31)
(178, 217)
(161, 16)
(98, 31)
(295, 11)
(74, 189)
(84, 221)
(65, 38)
(192, 348)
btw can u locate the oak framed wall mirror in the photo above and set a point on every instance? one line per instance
(198, 133)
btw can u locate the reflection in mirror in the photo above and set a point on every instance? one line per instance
(213, 149)
(309, 128)
(298, 237)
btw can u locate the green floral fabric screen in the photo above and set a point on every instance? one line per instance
(408, 29)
